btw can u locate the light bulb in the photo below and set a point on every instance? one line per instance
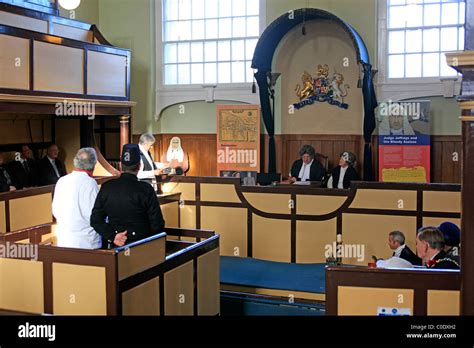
(69, 4)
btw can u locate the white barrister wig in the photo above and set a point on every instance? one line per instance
(394, 262)
(175, 151)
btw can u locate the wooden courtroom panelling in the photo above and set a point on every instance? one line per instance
(208, 286)
(231, 225)
(318, 205)
(30, 211)
(23, 22)
(385, 199)
(133, 302)
(279, 152)
(68, 138)
(15, 129)
(21, 293)
(3, 222)
(203, 154)
(219, 193)
(187, 190)
(201, 149)
(271, 239)
(141, 257)
(269, 203)
(443, 302)
(72, 33)
(370, 232)
(188, 216)
(442, 201)
(369, 299)
(179, 288)
(106, 74)
(312, 237)
(99, 170)
(79, 290)
(58, 68)
(170, 214)
(328, 145)
(14, 62)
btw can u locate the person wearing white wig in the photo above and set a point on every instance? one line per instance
(175, 151)
(395, 125)
(344, 173)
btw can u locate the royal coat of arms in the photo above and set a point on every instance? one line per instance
(322, 88)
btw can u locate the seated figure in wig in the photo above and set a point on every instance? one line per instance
(177, 159)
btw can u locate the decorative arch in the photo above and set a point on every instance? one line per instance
(262, 62)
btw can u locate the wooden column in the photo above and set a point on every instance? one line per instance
(464, 63)
(124, 131)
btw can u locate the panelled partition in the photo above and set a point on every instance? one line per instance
(300, 223)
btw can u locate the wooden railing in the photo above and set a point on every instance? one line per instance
(48, 56)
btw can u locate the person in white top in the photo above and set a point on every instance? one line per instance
(175, 151)
(74, 198)
(148, 169)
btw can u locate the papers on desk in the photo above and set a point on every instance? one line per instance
(303, 183)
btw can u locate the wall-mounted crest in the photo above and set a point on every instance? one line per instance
(322, 88)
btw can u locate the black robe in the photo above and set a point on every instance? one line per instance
(316, 171)
(410, 256)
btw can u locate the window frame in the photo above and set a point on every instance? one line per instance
(167, 95)
(404, 88)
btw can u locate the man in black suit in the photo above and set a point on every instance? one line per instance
(24, 169)
(127, 210)
(6, 183)
(396, 242)
(307, 168)
(50, 167)
(430, 245)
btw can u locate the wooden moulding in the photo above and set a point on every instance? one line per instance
(419, 280)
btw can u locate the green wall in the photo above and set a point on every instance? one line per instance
(444, 113)
(129, 24)
(88, 11)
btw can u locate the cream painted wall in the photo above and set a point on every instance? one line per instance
(297, 54)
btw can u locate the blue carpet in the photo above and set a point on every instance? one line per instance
(273, 275)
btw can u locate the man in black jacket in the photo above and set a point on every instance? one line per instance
(50, 167)
(127, 210)
(6, 183)
(396, 242)
(430, 245)
(24, 169)
(307, 168)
